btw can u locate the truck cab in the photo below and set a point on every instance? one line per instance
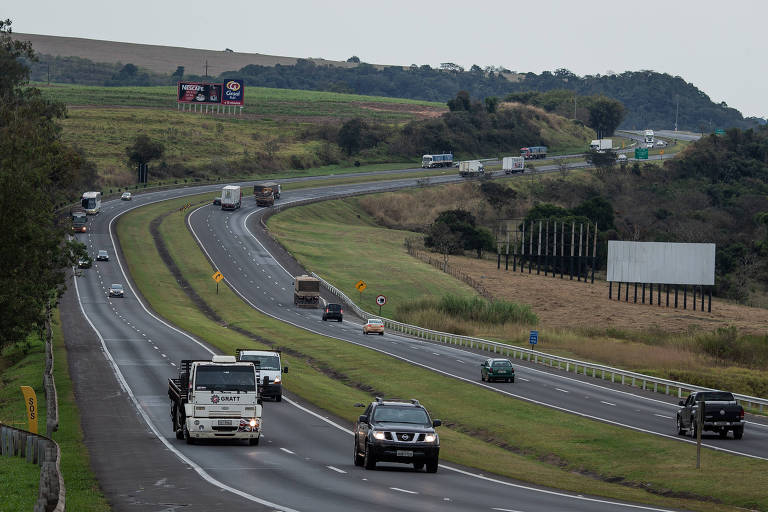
(269, 366)
(722, 413)
(216, 399)
(306, 291)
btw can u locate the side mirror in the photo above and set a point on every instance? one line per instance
(681, 402)
(285, 370)
(437, 423)
(258, 401)
(482, 364)
(362, 418)
(358, 404)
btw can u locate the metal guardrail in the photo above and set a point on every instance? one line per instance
(598, 371)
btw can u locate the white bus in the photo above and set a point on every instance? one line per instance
(649, 138)
(91, 202)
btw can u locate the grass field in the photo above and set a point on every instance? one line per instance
(496, 434)
(19, 480)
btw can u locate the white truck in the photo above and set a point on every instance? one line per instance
(91, 202)
(216, 399)
(513, 164)
(601, 145)
(649, 138)
(471, 168)
(231, 197)
(271, 372)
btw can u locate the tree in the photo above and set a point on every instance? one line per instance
(604, 161)
(354, 59)
(497, 195)
(179, 73)
(144, 150)
(351, 134)
(445, 241)
(37, 171)
(605, 115)
(491, 103)
(598, 210)
(460, 103)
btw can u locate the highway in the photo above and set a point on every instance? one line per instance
(306, 463)
(305, 459)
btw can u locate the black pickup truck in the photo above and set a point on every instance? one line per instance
(721, 413)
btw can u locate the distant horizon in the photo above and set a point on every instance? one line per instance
(718, 50)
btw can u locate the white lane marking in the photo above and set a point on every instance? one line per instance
(506, 509)
(562, 390)
(662, 416)
(458, 360)
(607, 403)
(403, 490)
(524, 379)
(336, 470)
(124, 385)
(286, 450)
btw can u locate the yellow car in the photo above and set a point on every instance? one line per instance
(374, 325)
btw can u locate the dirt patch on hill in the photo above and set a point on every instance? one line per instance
(419, 111)
(565, 303)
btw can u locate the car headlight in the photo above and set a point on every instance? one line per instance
(254, 422)
(430, 438)
(379, 435)
(277, 380)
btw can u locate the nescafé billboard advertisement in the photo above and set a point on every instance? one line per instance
(233, 93)
(199, 92)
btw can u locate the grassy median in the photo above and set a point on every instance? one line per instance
(483, 429)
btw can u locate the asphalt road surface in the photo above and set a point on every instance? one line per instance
(305, 459)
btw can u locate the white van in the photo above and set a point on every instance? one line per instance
(270, 369)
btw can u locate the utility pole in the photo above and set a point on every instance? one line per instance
(677, 109)
(206, 68)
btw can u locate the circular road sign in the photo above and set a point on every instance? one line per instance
(381, 300)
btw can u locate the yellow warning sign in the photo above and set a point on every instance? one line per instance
(218, 276)
(30, 403)
(360, 285)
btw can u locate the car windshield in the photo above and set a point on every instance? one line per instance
(117, 287)
(334, 307)
(225, 378)
(262, 362)
(375, 322)
(501, 364)
(401, 415)
(102, 253)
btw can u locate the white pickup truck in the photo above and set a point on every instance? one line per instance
(216, 399)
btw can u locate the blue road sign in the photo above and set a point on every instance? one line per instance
(534, 339)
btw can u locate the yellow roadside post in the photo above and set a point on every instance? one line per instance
(30, 403)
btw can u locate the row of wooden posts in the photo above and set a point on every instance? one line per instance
(575, 261)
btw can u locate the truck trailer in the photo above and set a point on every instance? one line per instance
(441, 160)
(216, 399)
(306, 291)
(513, 164)
(649, 138)
(533, 152)
(601, 145)
(231, 197)
(266, 193)
(469, 168)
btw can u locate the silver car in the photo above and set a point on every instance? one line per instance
(102, 255)
(116, 290)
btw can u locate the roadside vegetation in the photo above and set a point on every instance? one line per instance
(22, 364)
(494, 435)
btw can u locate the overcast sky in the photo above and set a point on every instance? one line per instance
(718, 46)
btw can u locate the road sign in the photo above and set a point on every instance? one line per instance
(381, 300)
(719, 131)
(641, 153)
(534, 338)
(360, 285)
(218, 276)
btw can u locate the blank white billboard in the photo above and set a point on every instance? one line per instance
(660, 262)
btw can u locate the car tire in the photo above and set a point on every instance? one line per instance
(279, 398)
(324, 319)
(679, 424)
(339, 319)
(693, 430)
(381, 334)
(512, 380)
(254, 441)
(369, 461)
(482, 377)
(358, 459)
(723, 433)
(432, 466)
(418, 466)
(365, 332)
(738, 432)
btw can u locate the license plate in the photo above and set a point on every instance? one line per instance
(225, 422)
(404, 453)
(721, 423)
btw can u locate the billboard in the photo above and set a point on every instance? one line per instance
(199, 92)
(233, 92)
(661, 262)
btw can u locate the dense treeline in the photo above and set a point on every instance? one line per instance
(652, 99)
(36, 172)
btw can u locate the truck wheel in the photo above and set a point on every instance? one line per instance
(188, 438)
(680, 429)
(369, 461)
(482, 377)
(254, 441)
(693, 430)
(723, 433)
(418, 466)
(738, 432)
(432, 466)
(279, 398)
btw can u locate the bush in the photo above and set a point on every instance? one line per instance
(472, 309)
